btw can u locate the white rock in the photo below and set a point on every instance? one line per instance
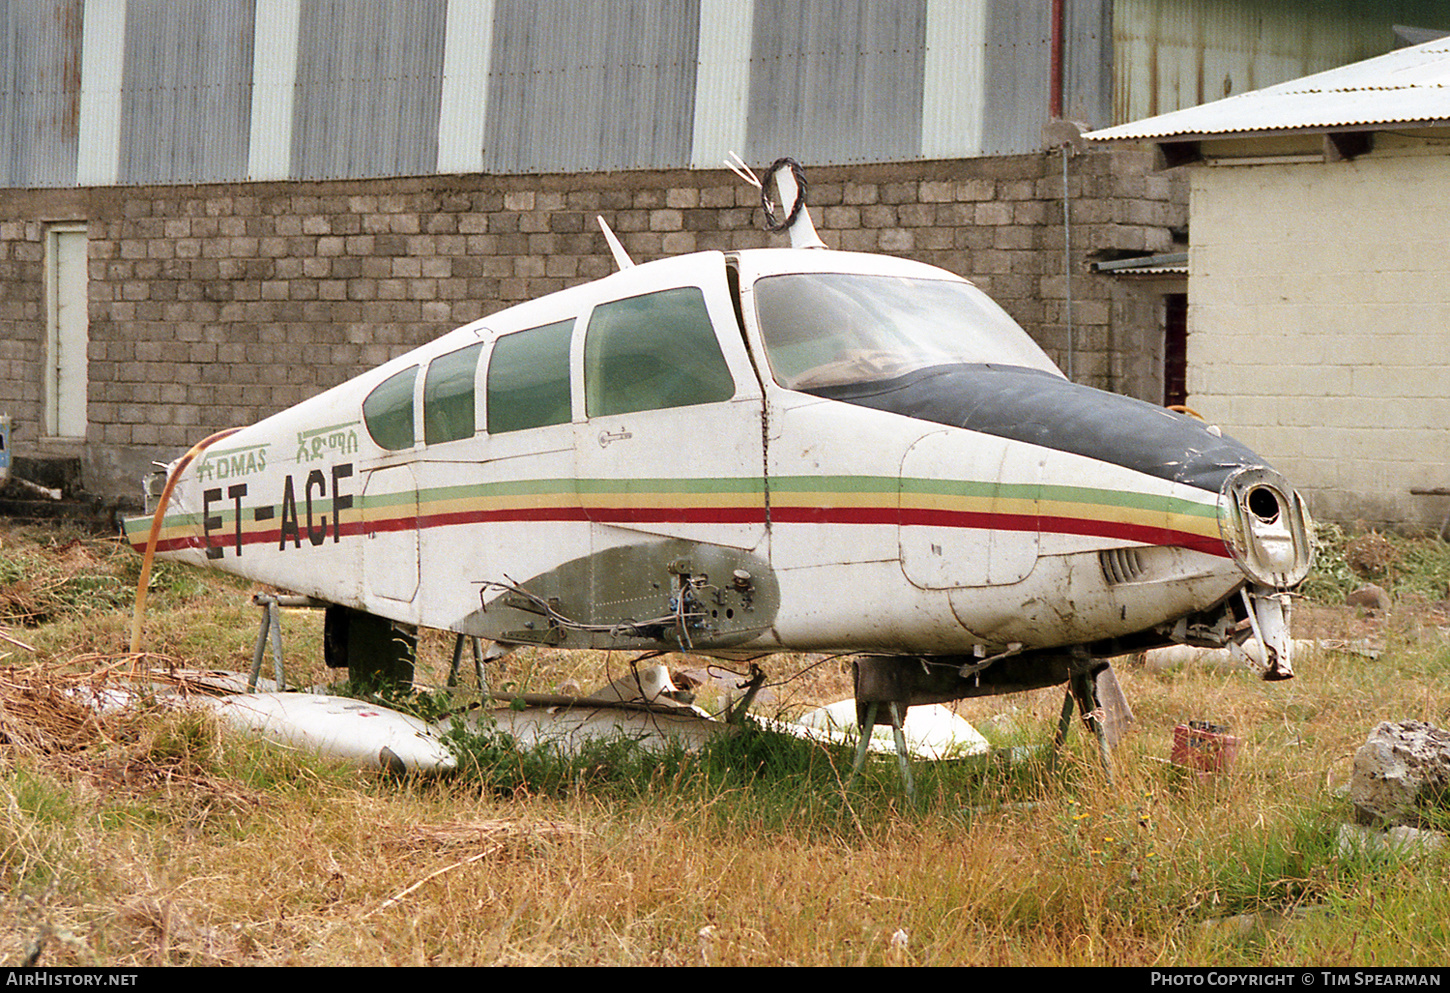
(1399, 767)
(1356, 839)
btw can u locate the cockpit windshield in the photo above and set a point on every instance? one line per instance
(839, 329)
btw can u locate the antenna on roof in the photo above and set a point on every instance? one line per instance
(737, 165)
(790, 184)
(621, 257)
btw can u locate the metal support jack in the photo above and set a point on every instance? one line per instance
(271, 630)
(898, 735)
(1082, 690)
(477, 662)
(271, 626)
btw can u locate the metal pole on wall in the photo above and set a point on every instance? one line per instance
(1067, 259)
(1055, 112)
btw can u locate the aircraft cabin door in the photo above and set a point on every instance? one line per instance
(390, 539)
(670, 443)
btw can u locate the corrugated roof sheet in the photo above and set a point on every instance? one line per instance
(1170, 264)
(1410, 86)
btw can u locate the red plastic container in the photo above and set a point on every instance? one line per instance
(1204, 747)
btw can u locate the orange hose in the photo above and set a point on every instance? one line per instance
(145, 579)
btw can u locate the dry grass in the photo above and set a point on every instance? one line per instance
(154, 840)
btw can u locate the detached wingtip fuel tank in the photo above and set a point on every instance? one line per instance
(739, 454)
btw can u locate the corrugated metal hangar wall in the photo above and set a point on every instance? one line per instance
(103, 92)
(106, 92)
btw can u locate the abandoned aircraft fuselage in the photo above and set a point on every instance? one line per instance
(738, 454)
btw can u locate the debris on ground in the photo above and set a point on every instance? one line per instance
(1173, 656)
(932, 731)
(1358, 839)
(360, 733)
(1369, 597)
(1370, 555)
(93, 726)
(568, 723)
(43, 710)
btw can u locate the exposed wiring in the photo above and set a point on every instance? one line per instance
(737, 165)
(772, 223)
(680, 625)
(711, 668)
(626, 627)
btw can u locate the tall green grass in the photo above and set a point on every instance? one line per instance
(174, 843)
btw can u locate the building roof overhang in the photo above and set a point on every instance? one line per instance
(1408, 89)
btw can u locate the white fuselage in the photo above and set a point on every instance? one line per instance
(610, 487)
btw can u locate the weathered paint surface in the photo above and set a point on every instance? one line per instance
(768, 520)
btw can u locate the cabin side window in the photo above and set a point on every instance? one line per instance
(528, 378)
(388, 410)
(653, 351)
(448, 396)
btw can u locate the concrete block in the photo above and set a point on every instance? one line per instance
(878, 216)
(717, 197)
(1013, 237)
(677, 243)
(665, 220)
(993, 213)
(937, 191)
(681, 197)
(896, 240)
(857, 240)
(916, 215)
(932, 240)
(898, 192)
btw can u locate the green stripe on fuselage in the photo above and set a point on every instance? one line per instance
(889, 488)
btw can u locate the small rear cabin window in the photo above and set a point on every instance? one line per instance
(528, 378)
(651, 352)
(448, 396)
(388, 410)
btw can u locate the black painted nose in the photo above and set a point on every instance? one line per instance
(1039, 408)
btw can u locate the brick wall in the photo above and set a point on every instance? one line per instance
(1318, 326)
(213, 306)
(22, 318)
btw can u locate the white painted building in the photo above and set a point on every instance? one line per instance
(1319, 278)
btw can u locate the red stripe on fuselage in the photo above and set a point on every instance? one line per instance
(1145, 534)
